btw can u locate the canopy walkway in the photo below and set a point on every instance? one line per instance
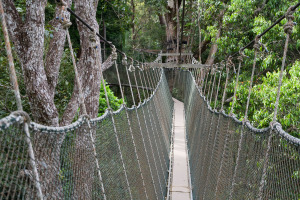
(153, 150)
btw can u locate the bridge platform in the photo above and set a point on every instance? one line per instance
(180, 184)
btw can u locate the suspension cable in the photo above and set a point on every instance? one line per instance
(267, 30)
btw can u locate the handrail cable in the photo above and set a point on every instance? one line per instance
(265, 31)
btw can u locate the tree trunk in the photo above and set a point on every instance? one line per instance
(104, 35)
(177, 30)
(133, 18)
(28, 37)
(172, 27)
(213, 50)
(200, 34)
(89, 73)
(40, 81)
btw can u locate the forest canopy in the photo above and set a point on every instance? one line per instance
(213, 30)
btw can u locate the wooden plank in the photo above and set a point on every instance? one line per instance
(175, 54)
(180, 187)
(174, 65)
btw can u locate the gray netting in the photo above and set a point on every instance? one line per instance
(66, 158)
(230, 160)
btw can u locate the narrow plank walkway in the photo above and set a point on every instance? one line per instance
(180, 187)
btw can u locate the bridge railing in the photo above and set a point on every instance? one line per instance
(120, 155)
(228, 156)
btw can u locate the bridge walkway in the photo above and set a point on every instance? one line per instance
(180, 187)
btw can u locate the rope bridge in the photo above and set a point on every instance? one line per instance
(127, 154)
(126, 157)
(231, 159)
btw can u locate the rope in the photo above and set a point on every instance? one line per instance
(84, 111)
(78, 82)
(13, 76)
(240, 58)
(90, 28)
(293, 9)
(151, 146)
(209, 71)
(219, 82)
(142, 77)
(14, 82)
(147, 128)
(130, 129)
(210, 81)
(256, 47)
(113, 123)
(30, 149)
(288, 29)
(214, 81)
(225, 87)
(124, 60)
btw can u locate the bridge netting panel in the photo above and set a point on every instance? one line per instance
(232, 160)
(103, 158)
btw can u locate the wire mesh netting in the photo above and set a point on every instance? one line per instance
(232, 160)
(121, 155)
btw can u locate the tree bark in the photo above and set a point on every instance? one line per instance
(73, 104)
(40, 81)
(28, 37)
(172, 27)
(133, 18)
(55, 52)
(213, 50)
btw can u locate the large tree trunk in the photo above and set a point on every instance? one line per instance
(133, 18)
(40, 81)
(213, 50)
(89, 71)
(28, 37)
(214, 47)
(172, 27)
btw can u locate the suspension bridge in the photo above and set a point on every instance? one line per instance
(160, 148)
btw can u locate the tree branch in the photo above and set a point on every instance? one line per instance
(88, 70)
(55, 52)
(15, 24)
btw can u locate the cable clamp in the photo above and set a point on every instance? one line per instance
(131, 68)
(114, 55)
(230, 63)
(256, 45)
(23, 114)
(124, 60)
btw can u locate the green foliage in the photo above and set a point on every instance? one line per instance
(114, 102)
(263, 99)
